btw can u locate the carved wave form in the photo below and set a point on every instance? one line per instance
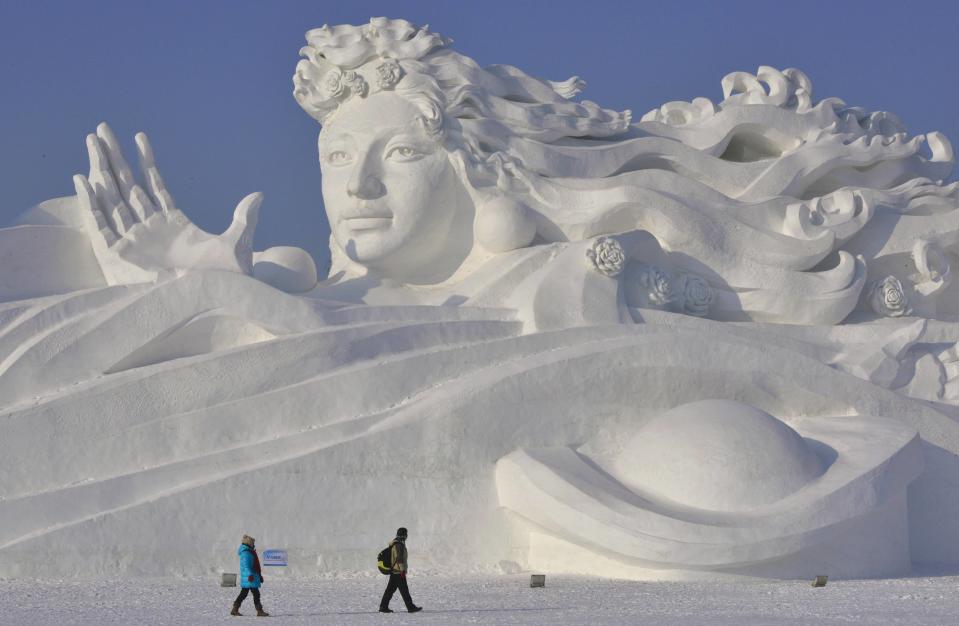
(761, 192)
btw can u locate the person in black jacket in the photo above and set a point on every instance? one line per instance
(398, 575)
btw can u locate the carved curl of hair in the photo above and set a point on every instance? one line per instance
(497, 114)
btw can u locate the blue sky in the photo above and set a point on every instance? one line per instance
(210, 81)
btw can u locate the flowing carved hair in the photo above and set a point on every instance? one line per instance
(759, 192)
(499, 115)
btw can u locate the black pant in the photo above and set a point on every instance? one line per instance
(397, 581)
(256, 598)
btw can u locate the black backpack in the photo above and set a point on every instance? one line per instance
(384, 561)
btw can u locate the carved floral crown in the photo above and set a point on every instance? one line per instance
(345, 61)
(498, 120)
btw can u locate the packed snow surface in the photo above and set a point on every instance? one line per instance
(491, 600)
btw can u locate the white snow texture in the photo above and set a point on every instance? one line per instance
(714, 343)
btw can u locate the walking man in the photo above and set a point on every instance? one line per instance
(250, 577)
(398, 575)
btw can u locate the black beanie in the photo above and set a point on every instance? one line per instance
(401, 532)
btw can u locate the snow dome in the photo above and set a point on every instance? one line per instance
(287, 268)
(717, 454)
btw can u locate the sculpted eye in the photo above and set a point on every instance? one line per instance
(403, 153)
(338, 157)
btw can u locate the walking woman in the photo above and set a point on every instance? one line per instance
(250, 577)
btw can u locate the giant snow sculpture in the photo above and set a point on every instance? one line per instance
(715, 341)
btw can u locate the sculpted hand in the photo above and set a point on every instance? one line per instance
(139, 235)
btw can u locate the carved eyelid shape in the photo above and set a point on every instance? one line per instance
(405, 140)
(326, 155)
(329, 156)
(335, 144)
(396, 150)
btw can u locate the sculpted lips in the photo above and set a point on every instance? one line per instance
(368, 218)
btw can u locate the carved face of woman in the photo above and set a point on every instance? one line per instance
(391, 194)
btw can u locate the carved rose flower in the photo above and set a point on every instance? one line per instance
(697, 295)
(355, 82)
(333, 83)
(337, 82)
(888, 299)
(606, 256)
(388, 73)
(658, 285)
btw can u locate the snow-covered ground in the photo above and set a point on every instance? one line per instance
(492, 600)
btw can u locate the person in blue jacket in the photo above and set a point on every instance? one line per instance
(250, 576)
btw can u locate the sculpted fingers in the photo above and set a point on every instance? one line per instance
(240, 232)
(140, 203)
(154, 181)
(121, 170)
(247, 212)
(94, 222)
(107, 194)
(136, 198)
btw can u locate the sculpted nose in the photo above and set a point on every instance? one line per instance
(366, 187)
(364, 183)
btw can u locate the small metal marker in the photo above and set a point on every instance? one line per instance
(227, 580)
(537, 580)
(820, 581)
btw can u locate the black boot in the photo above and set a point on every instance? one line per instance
(414, 609)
